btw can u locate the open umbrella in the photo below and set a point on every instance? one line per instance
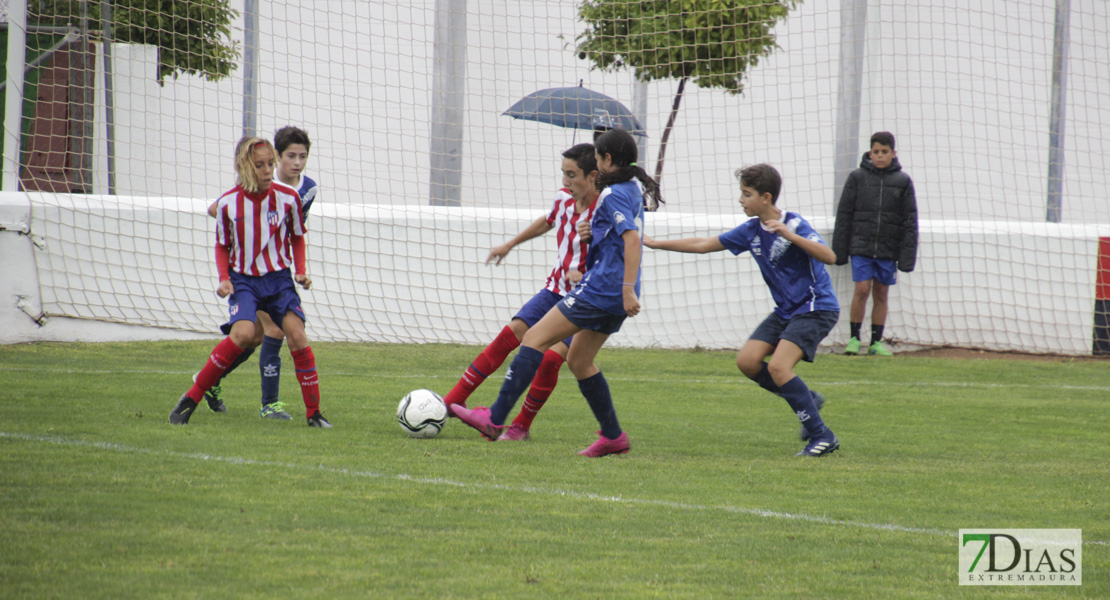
(575, 108)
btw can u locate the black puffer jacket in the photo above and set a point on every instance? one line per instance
(877, 216)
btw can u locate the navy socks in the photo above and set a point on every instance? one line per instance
(800, 399)
(269, 366)
(763, 378)
(596, 391)
(517, 379)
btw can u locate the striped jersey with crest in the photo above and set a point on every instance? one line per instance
(257, 228)
(572, 250)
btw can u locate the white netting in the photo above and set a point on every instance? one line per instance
(967, 88)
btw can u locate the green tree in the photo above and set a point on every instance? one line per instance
(192, 36)
(712, 42)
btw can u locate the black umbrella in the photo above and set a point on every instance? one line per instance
(575, 108)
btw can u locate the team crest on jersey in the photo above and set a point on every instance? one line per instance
(272, 218)
(757, 246)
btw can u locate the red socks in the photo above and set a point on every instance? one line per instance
(542, 386)
(487, 362)
(221, 358)
(305, 363)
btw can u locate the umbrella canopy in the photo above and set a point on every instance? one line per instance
(575, 108)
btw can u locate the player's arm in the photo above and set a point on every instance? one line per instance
(300, 261)
(632, 252)
(223, 267)
(213, 207)
(700, 245)
(812, 247)
(537, 228)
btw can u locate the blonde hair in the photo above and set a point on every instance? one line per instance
(246, 176)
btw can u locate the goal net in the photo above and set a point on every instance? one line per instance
(1000, 109)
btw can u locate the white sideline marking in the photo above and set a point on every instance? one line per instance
(724, 378)
(758, 512)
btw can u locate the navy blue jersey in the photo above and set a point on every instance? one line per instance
(619, 208)
(306, 189)
(799, 283)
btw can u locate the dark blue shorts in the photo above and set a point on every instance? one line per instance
(588, 316)
(273, 293)
(883, 270)
(805, 330)
(537, 307)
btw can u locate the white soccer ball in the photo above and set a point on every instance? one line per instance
(422, 413)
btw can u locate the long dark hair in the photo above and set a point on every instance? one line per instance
(620, 145)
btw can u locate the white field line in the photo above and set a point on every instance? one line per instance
(684, 506)
(723, 379)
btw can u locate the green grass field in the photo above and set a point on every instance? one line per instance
(101, 498)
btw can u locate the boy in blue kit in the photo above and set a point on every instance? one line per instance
(792, 258)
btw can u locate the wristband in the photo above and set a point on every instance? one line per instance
(629, 284)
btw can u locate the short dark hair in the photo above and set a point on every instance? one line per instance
(289, 135)
(763, 178)
(583, 156)
(885, 138)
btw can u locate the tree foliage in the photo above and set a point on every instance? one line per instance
(192, 36)
(711, 42)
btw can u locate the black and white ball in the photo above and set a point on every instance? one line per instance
(422, 413)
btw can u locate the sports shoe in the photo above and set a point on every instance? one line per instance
(318, 420)
(184, 409)
(450, 404)
(214, 396)
(852, 348)
(822, 446)
(515, 433)
(877, 349)
(477, 418)
(274, 410)
(605, 446)
(819, 400)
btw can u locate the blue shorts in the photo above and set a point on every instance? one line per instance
(273, 293)
(537, 307)
(588, 316)
(805, 330)
(883, 270)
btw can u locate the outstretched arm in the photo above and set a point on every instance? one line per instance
(691, 245)
(538, 227)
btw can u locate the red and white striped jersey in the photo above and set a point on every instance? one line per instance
(256, 228)
(572, 250)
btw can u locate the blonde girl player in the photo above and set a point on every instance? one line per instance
(573, 204)
(259, 235)
(596, 308)
(292, 145)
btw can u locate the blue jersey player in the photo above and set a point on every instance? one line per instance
(596, 308)
(292, 145)
(792, 258)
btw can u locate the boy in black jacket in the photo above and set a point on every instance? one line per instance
(876, 225)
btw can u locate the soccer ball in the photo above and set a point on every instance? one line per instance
(422, 413)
